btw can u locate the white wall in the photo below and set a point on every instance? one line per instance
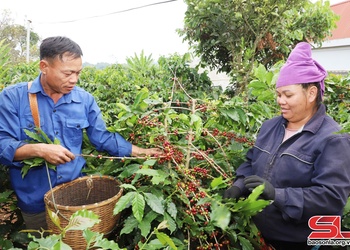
(334, 55)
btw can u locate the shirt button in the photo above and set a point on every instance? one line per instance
(56, 132)
(60, 177)
(54, 110)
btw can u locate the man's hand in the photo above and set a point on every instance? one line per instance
(52, 153)
(253, 181)
(140, 152)
(56, 154)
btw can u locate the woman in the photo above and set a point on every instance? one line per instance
(299, 157)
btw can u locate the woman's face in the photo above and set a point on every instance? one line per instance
(296, 102)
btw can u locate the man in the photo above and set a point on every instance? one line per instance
(65, 110)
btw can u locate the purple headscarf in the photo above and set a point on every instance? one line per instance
(301, 68)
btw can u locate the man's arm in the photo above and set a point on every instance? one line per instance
(54, 154)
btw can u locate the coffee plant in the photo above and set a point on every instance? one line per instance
(184, 185)
(173, 200)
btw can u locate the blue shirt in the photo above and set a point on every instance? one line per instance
(65, 121)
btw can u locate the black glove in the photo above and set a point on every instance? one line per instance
(233, 192)
(253, 181)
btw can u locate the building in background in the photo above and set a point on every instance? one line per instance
(334, 55)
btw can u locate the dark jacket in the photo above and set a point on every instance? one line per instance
(310, 171)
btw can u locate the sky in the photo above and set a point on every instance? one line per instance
(108, 30)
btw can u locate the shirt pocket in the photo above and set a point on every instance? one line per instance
(260, 158)
(27, 123)
(74, 130)
(295, 168)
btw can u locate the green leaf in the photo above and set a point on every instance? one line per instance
(34, 136)
(197, 122)
(252, 204)
(41, 137)
(82, 219)
(128, 186)
(56, 141)
(138, 206)
(183, 117)
(257, 85)
(141, 95)
(129, 225)
(50, 166)
(24, 171)
(123, 107)
(195, 118)
(131, 121)
(54, 218)
(261, 72)
(155, 203)
(165, 240)
(150, 172)
(42, 133)
(4, 196)
(149, 163)
(256, 192)
(171, 209)
(242, 115)
(123, 202)
(128, 171)
(34, 162)
(163, 225)
(48, 242)
(347, 207)
(171, 222)
(158, 175)
(152, 101)
(142, 106)
(216, 182)
(145, 224)
(246, 245)
(60, 245)
(220, 215)
(153, 245)
(90, 236)
(103, 243)
(252, 208)
(231, 113)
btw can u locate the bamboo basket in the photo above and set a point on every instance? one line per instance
(95, 193)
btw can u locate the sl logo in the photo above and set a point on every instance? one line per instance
(327, 227)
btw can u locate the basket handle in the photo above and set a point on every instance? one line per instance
(89, 184)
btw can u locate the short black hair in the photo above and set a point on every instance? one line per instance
(52, 47)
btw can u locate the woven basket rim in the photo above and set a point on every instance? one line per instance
(50, 203)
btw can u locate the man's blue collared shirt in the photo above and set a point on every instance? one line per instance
(64, 120)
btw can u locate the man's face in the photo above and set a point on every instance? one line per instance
(60, 76)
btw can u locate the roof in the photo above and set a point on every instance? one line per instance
(343, 25)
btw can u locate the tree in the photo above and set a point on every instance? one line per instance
(233, 36)
(16, 37)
